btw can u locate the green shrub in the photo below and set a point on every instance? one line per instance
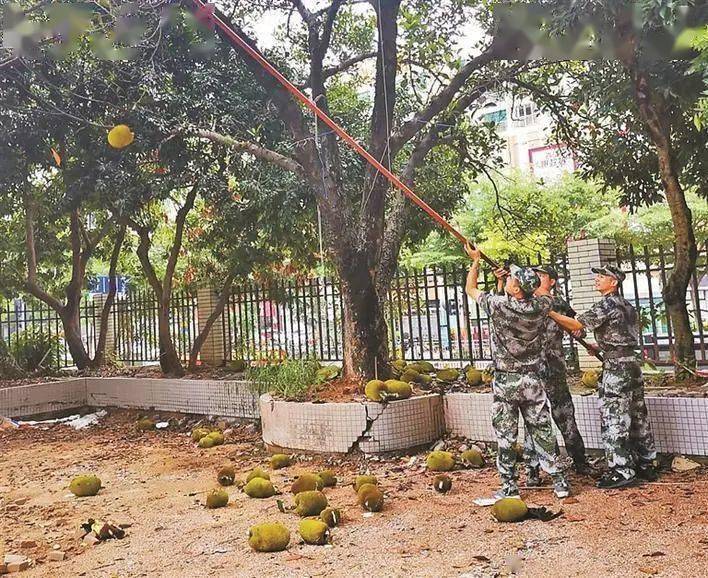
(36, 350)
(291, 379)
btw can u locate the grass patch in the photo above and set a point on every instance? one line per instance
(292, 379)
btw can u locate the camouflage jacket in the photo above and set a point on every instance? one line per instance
(517, 330)
(615, 323)
(553, 349)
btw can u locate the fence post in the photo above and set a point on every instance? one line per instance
(99, 300)
(582, 255)
(212, 352)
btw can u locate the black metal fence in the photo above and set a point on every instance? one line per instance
(647, 271)
(428, 314)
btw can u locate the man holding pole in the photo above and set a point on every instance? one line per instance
(554, 379)
(517, 331)
(626, 433)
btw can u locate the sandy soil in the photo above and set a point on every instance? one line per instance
(156, 481)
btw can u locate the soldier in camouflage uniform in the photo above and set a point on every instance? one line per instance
(554, 379)
(517, 341)
(626, 433)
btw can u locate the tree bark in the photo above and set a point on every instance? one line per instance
(652, 108)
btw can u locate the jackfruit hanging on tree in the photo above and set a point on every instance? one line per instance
(85, 485)
(269, 537)
(310, 503)
(440, 461)
(217, 499)
(120, 136)
(314, 532)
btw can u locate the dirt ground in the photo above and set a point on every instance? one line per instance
(156, 483)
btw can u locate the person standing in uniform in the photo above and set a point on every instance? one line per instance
(626, 432)
(517, 331)
(554, 379)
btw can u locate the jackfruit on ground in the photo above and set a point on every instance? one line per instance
(509, 510)
(310, 503)
(370, 498)
(364, 479)
(199, 433)
(398, 364)
(331, 517)
(307, 482)
(259, 488)
(145, 424)
(206, 442)
(447, 375)
(487, 376)
(314, 532)
(472, 458)
(590, 377)
(440, 461)
(425, 380)
(329, 480)
(397, 389)
(257, 473)
(278, 461)
(217, 499)
(226, 476)
(269, 537)
(85, 485)
(410, 375)
(218, 437)
(442, 483)
(473, 376)
(374, 388)
(421, 366)
(326, 373)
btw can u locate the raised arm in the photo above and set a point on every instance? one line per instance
(567, 323)
(473, 274)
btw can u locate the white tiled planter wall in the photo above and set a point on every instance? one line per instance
(339, 427)
(680, 424)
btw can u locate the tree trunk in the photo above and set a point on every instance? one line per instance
(72, 335)
(170, 363)
(653, 111)
(365, 344)
(215, 314)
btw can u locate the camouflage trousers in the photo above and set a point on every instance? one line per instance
(563, 412)
(514, 392)
(625, 428)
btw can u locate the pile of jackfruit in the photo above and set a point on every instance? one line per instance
(424, 376)
(207, 437)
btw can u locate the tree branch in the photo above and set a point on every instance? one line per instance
(341, 67)
(31, 284)
(213, 316)
(143, 253)
(284, 162)
(440, 102)
(177, 243)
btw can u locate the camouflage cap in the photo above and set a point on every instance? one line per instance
(610, 271)
(527, 278)
(549, 270)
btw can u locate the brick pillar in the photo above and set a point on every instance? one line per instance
(99, 300)
(212, 352)
(582, 255)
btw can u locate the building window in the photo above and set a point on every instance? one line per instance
(524, 114)
(496, 117)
